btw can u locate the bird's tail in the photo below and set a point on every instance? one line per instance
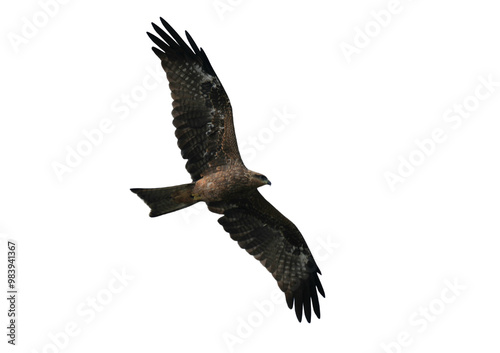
(166, 200)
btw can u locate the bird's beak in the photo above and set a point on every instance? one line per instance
(268, 183)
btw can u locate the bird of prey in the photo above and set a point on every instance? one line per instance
(205, 135)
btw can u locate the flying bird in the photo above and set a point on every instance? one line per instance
(203, 120)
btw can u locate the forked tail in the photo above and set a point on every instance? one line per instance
(166, 200)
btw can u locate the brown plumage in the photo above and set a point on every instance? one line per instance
(203, 120)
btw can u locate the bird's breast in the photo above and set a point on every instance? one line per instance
(221, 185)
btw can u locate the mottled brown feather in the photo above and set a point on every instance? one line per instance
(202, 112)
(275, 241)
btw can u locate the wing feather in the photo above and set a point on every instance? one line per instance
(271, 238)
(202, 112)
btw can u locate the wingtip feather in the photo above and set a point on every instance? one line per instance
(289, 299)
(158, 52)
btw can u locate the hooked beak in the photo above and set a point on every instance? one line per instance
(268, 183)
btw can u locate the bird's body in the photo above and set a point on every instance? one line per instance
(205, 132)
(226, 182)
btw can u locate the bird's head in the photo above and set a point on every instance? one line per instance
(260, 180)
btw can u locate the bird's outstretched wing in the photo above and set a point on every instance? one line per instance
(275, 241)
(202, 112)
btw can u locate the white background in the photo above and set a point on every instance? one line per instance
(390, 252)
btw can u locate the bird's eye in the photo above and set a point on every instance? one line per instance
(262, 177)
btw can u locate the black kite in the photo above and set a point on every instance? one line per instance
(204, 128)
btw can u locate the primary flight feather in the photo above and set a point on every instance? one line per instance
(203, 120)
